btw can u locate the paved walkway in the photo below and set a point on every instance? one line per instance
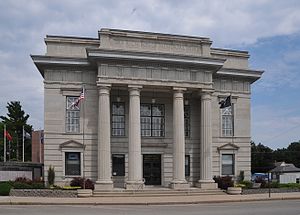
(133, 200)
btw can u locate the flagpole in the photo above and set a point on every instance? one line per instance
(40, 145)
(232, 114)
(4, 158)
(83, 154)
(23, 146)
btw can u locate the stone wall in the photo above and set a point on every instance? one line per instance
(43, 193)
(266, 190)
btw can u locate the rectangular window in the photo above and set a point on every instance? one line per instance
(227, 121)
(227, 164)
(118, 119)
(118, 165)
(72, 115)
(152, 120)
(72, 164)
(187, 120)
(187, 165)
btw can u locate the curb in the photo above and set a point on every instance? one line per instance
(11, 202)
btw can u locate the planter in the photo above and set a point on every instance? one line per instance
(84, 193)
(256, 185)
(234, 190)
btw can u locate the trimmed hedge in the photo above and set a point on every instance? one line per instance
(5, 188)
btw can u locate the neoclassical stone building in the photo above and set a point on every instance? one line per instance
(150, 115)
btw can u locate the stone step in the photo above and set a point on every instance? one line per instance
(122, 193)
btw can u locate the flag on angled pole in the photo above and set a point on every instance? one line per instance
(77, 101)
(9, 138)
(225, 103)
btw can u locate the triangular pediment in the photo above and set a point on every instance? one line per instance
(228, 146)
(71, 144)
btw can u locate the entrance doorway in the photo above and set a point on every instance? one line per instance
(152, 169)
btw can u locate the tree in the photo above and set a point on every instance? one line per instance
(14, 121)
(261, 158)
(291, 154)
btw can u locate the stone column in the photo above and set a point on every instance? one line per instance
(104, 181)
(178, 181)
(206, 181)
(135, 177)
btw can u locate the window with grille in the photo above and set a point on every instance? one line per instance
(118, 119)
(227, 164)
(187, 120)
(72, 164)
(72, 115)
(227, 121)
(152, 120)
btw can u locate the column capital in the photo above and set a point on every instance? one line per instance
(179, 89)
(134, 87)
(206, 94)
(103, 85)
(103, 88)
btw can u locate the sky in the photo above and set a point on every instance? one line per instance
(269, 30)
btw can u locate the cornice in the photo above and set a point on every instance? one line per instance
(253, 75)
(74, 40)
(153, 36)
(229, 52)
(43, 62)
(108, 54)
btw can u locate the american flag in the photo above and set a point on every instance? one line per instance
(77, 101)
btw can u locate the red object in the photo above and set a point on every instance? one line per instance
(8, 136)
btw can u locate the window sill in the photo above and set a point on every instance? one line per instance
(72, 176)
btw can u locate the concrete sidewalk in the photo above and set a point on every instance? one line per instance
(162, 200)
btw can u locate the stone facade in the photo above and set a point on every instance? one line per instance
(136, 68)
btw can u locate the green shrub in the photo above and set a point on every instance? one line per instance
(241, 177)
(274, 184)
(290, 185)
(51, 175)
(5, 188)
(248, 184)
(37, 185)
(21, 185)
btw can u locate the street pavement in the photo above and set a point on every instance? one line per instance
(147, 200)
(276, 207)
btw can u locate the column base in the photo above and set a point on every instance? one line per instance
(104, 185)
(207, 184)
(134, 185)
(179, 185)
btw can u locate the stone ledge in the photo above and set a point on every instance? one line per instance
(43, 193)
